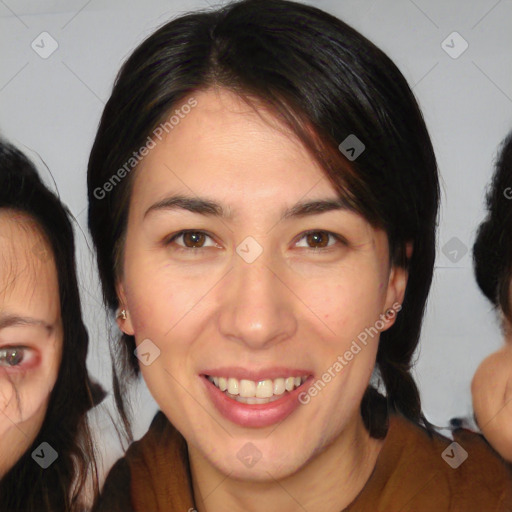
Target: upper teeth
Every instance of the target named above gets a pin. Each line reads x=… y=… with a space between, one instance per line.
x=261 y=389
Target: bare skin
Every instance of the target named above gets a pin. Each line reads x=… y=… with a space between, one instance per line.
x=28 y=371
x=491 y=389
x=296 y=305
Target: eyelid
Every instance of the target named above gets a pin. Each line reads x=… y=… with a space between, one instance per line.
x=29 y=357
x=339 y=238
x=170 y=239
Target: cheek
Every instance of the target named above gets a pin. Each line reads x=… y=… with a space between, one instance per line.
x=349 y=307
x=23 y=402
x=348 y=304
x=24 y=394
x=158 y=297
x=152 y=309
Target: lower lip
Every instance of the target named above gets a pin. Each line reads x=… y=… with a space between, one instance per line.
x=257 y=415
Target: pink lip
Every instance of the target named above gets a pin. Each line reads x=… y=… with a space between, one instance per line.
x=256 y=375
x=257 y=415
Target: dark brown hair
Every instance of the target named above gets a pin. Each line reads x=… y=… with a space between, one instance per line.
x=327 y=82
x=492 y=251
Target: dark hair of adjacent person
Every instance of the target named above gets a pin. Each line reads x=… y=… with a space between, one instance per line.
x=492 y=251
x=325 y=81
x=27 y=486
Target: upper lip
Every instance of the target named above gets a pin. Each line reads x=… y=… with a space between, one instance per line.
x=256 y=375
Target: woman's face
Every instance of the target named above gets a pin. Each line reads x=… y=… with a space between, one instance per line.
x=30 y=333
x=250 y=297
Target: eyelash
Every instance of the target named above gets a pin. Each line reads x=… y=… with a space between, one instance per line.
x=172 y=238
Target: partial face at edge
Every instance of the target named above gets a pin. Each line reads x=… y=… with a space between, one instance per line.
x=491 y=390
x=30 y=333
x=294 y=309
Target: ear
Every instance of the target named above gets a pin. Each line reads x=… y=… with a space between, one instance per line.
x=125 y=325
x=397 y=284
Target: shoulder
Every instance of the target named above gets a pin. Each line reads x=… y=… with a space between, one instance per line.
x=116 y=494
x=486 y=468
x=464 y=474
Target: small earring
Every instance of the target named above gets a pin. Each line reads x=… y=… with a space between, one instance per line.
x=122 y=314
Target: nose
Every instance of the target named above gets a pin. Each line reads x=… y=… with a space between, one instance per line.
x=257 y=307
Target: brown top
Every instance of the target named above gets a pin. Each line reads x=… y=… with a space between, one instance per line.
x=414 y=473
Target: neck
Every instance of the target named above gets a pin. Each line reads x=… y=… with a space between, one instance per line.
x=328 y=482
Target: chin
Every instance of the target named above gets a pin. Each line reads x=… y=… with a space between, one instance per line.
x=261 y=472
x=262 y=460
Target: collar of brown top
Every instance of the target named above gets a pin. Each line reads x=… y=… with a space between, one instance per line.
x=410 y=475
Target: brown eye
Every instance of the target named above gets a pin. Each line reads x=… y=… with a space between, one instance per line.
x=318 y=238
x=193 y=239
x=321 y=240
x=11 y=356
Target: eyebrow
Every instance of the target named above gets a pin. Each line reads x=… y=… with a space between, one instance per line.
x=23 y=321
x=208 y=207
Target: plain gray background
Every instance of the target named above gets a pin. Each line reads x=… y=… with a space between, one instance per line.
x=50 y=107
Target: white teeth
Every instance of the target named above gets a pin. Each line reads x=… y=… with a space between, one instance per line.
x=264 y=389
x=247 y=388
x=232 y=386
x=279 y=387
x=251 y=392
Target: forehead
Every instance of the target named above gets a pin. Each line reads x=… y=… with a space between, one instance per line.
x=224 y=144
x=28 y=277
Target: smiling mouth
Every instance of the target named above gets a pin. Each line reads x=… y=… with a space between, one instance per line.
x=260 y=392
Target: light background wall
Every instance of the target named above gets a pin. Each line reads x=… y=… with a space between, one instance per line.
x=50 y=108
